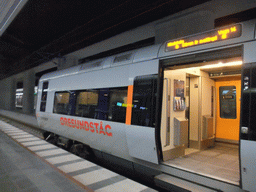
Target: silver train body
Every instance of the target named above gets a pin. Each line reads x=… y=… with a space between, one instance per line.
x=100 y=103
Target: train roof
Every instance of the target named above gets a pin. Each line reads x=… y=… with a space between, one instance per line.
x=129 y=57
x=159 y=50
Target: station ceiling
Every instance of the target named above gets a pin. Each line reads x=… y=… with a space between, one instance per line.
x=45 y=29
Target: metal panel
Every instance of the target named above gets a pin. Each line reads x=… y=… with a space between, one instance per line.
x=110 y=77
x=249 y=53
x=207 y=126
x=123 y=59
x=248 y=127
x=141 y=143
x=112 y=142
x=86 y=70
x=248 y=168
x=248 y=121
x=180 y=131
x=147 y=53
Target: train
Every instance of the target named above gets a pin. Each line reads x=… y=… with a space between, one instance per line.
x=182 y=109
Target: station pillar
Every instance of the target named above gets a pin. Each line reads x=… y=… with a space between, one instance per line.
x=12 y=94
x=7 y=96
x=28 y=92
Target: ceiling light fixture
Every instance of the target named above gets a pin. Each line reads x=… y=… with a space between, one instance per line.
x=8 y=10
x=220 y=64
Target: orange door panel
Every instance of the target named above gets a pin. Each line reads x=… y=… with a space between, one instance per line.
x=228 y=108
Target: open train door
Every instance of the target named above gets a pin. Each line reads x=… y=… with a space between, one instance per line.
x=141 y=133
x=248 y=128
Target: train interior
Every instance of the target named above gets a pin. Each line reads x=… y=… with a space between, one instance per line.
x=200 y=118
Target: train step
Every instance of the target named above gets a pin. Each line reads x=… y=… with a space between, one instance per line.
x=171 y=183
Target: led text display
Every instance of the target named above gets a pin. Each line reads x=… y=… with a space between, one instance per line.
x=208 y=37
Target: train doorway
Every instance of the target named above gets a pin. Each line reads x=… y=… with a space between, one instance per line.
x=201 y=117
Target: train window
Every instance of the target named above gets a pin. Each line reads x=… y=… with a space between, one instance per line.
x=102 y=110
x=19 y=98
x=112 y=104
x=86 y=103
x=117 y=104
x=61 y=103
x=44 y=96
x=144 y=100
x=104 y=104
x=227 y=102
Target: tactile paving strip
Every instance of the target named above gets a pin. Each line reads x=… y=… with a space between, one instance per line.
x=89 y=174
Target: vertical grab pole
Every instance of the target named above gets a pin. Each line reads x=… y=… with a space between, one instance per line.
x=167 y=141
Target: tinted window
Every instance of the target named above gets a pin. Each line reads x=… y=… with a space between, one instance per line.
x=61 y=103
x=228 y=102
x=117 y=105
x=87 y=103
x=112 y=104
x=44 y=96
x=144 y=101
x=104 y=104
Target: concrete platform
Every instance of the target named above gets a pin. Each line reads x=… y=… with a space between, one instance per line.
x=28 y=163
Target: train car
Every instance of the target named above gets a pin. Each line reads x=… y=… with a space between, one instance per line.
x=184 y=108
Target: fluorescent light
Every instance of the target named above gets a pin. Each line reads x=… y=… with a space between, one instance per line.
x=234 y=63
x=9 y=9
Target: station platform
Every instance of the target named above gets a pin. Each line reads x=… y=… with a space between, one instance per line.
x=28 y=163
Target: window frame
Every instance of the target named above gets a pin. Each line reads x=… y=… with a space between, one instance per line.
x=233 y=116
x=103 y=105
x=68 y=104
x=123 y=105
x=85 y=106
x=44 y=94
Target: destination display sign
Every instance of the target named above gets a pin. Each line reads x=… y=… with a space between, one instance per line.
x=205 y=38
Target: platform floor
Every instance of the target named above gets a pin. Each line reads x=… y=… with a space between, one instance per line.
x=220 y=162
x=28 y=163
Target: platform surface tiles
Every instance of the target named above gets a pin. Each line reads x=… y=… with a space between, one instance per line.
x=28 y=163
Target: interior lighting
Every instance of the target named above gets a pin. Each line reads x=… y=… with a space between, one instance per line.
x=234 y=63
